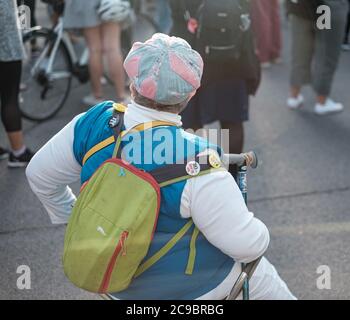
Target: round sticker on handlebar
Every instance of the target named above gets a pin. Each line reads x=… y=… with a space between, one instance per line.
x=193 y=168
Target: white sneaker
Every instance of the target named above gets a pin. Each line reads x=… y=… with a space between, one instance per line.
x=91 y=100
x=295 y=103
x=329 y=107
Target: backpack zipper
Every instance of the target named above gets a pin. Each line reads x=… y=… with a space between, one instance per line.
x=120 y=248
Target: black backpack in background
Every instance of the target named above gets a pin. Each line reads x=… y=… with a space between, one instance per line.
x=221 y=28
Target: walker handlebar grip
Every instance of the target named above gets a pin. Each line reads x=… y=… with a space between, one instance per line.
x=249 y=159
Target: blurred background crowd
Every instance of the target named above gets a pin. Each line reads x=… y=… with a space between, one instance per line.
x=108 y=28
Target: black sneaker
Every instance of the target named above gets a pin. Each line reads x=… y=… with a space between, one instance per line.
x=4 y=154
x=20 y=161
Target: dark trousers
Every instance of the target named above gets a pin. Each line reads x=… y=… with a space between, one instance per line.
x=10 y=77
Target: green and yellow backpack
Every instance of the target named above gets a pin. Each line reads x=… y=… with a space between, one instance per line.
x=109 y=233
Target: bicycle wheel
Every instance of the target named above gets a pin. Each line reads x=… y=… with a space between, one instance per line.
x=43 y=94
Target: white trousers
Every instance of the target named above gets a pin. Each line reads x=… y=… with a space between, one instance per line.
x=265 y=284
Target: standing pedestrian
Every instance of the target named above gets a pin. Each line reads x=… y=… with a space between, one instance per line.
x=98 y=20
x=227 y=83
x=11 y=55
x=315 y=52
x=267 y=30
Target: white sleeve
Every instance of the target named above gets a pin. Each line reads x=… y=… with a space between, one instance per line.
x=217 y=208
x=50 y=172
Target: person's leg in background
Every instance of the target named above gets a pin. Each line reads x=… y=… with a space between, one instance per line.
x=327 y=54
x=32 y=5
x=111 y=45
x=93 y=37
x=261 y=24
x=302 y=50
x=276 y=40
x=10 y=76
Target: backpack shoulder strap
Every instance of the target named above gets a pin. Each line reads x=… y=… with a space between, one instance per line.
x=173 y=173
x=117 y=123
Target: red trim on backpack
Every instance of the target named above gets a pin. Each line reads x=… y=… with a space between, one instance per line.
x=107 y=277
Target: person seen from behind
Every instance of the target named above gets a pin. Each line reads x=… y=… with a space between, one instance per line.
x=230 y=76
x=165 y=73
x=315 y=51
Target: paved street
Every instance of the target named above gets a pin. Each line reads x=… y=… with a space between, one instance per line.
x=301 y=191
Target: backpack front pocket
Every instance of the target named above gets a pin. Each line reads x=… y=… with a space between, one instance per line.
x=93 y=250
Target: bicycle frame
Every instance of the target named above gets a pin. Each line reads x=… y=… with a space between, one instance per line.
x=50 y=51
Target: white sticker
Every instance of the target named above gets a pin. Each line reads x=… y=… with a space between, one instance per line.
x=193 y=168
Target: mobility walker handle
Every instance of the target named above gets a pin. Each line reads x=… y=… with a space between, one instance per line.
x=243 y=161
x=248 y=159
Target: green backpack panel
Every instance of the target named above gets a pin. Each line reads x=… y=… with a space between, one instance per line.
x=111 y=228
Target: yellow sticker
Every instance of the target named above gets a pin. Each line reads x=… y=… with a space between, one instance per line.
x=214 y=161
x=119 y=107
